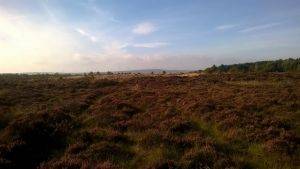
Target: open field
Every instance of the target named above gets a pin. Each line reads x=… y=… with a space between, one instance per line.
x=150 y=121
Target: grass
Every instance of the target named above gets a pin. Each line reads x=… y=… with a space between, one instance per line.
x=209 y=129
x=266 y=160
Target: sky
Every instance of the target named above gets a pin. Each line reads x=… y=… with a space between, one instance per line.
x=112 y=35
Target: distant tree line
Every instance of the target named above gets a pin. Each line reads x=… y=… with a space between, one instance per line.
x=287 y=65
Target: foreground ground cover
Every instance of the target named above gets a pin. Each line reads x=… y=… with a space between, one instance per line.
x=205 y=121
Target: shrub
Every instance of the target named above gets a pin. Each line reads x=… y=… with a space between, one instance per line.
x=34 y=137
x=199 y=158
x=104 y=151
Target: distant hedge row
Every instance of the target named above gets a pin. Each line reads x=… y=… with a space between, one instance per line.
x=287 y=65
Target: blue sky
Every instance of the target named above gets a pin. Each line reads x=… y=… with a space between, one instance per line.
x=102 y=35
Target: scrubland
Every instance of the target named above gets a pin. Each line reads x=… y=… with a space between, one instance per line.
x=216 y=121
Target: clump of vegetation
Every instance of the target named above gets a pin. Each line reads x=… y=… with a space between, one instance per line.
x=34 y=137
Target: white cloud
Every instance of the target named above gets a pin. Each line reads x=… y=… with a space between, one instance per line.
x=226 y=27
x=150 y=45
x=26 y=45
x=89 y=36
x=114 y=48
x=94 y=39
x=144 y=28
x=260 y=27
x=82 y=32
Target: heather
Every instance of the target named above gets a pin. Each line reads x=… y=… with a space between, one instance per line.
x=220 y=120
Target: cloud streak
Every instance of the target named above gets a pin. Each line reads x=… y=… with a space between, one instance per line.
x=225 y=27
x=144 y=28
x=151 y=45
x=259 y=27
x=85 y=34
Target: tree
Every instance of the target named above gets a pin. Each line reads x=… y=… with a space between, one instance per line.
x=287 y=65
